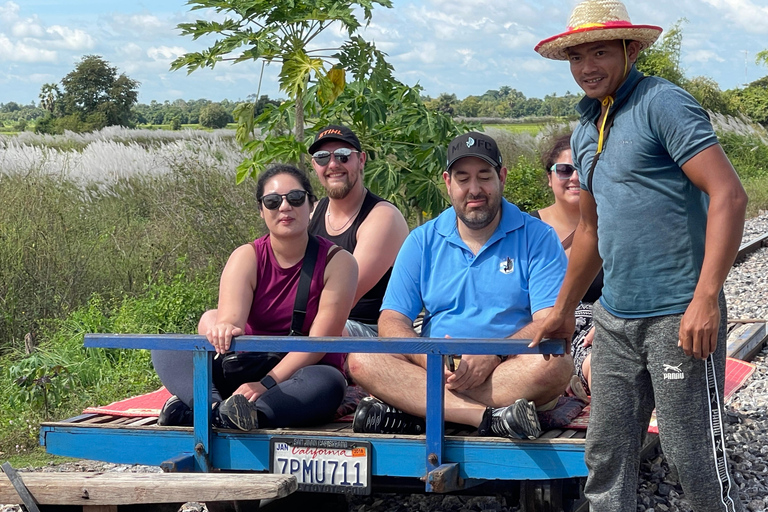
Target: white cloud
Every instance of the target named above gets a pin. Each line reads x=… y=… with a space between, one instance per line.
x=69 y=39
x=140 y=24
x=165 y=53
x=744 y=14
x=9 y=12
x=21 y=52
x=27 y=28
x=703 y=56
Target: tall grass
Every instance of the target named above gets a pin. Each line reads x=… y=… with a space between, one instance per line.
x=109 y=218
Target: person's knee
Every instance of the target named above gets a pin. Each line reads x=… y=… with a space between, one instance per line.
x=358 y=364
x=206 y=321
x=554 y=374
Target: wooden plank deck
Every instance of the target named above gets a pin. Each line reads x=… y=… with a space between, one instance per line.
x=336 y=429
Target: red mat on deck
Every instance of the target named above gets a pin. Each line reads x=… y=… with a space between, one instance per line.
x=142 y=405
x=736 y=374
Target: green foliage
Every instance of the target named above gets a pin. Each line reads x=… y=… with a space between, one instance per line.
x=752 y=101
x=405 y=141
x=278 y=31
x=663 y=58
x=505 y=103
x=708 y=94
x=61 y=377
x=38 y=386
x=748 y=154
x=94 y=96
x=526 y=185
x=762 y=57
x=214 y=115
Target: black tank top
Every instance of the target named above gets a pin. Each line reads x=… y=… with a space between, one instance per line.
x=596 y=288
x=367 y=308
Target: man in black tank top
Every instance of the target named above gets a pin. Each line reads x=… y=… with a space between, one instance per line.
x=369 y=227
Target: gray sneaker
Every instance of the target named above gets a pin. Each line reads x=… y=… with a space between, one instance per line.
x=518 y=420
x=239 y=412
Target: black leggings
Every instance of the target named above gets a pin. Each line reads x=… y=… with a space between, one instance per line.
x=310 y=397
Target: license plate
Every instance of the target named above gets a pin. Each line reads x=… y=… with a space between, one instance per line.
x=323 y=465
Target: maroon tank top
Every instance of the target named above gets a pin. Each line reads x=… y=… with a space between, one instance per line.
x=275 y=294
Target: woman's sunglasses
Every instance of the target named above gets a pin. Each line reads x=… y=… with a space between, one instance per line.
x=563 y=171
x=342 y=156
x=295 y=198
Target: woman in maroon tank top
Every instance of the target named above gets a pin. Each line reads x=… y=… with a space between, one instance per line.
x=256 y=296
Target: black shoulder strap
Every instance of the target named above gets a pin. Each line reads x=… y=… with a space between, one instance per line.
x=302 y=292
x=607 y=129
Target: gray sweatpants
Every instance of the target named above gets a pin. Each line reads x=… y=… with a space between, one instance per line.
x=636 y=365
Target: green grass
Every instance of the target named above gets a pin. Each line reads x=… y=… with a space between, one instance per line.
x=532 y=128
x=34 y=458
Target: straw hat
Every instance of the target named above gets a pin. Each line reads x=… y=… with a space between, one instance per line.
x=597 y=20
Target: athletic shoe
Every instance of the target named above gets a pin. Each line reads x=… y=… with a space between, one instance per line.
x=375 y=417
x=175 y=413
x=237 y=412
x=518 y=420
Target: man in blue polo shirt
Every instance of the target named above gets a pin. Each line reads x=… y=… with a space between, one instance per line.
x=481 y=269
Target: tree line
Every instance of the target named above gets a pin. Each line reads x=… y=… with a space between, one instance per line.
x=95 y=95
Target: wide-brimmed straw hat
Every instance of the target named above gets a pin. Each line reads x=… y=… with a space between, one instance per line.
x=597 y=20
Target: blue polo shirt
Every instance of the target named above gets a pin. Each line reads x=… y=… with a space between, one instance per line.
x=492 y=294
x=651 y=218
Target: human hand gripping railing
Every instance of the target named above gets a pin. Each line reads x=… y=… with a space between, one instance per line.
x=434 y=348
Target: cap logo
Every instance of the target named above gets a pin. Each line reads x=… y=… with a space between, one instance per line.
x=470 y=142
x=329 y=132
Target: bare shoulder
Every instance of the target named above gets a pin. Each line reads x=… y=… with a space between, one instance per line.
x=342 y=264
x=384 y=218
x=244 y=253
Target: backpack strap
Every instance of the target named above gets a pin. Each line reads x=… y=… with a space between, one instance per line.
x=302 y=291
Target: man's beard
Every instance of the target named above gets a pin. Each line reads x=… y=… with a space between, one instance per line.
x=479 y=217
x=342 y=190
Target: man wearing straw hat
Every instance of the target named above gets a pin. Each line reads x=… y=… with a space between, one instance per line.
x=671 y=213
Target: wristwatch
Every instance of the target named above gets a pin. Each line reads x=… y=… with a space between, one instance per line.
x=268 y=382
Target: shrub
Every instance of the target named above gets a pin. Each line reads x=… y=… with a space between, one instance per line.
x=214 y=115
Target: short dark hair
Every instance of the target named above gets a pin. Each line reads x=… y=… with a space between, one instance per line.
x=558 y=145
x=277 y=169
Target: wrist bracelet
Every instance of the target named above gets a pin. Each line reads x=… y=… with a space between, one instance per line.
x=268 y=382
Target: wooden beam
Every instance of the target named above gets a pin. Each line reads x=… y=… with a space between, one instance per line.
x=104 y=489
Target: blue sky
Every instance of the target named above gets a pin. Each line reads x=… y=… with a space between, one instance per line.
x=444 y=45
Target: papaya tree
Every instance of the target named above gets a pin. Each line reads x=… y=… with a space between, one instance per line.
x=278 y=31
x=352 y=85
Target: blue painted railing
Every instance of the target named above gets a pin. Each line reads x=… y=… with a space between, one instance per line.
x=434 y=348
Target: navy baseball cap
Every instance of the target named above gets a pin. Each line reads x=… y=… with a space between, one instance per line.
x=475 y=144
x=335 y=132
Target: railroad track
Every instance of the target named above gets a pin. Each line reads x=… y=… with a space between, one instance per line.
x=747 y=336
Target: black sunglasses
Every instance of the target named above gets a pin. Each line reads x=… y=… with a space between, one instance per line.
x=273 y=201
x=563 y=171
x=342 y=156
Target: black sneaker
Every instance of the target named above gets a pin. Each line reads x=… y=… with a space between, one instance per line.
x=375 y=417
x=237 y=412
x=175 y=413
x=518 y=420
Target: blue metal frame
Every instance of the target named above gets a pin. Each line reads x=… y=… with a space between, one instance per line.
x=429 y=457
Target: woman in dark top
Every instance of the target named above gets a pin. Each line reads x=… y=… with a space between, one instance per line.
x=563 y=215
x=257 y=295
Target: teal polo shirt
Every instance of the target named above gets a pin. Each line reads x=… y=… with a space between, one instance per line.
x=652 y=219
x=492 y=294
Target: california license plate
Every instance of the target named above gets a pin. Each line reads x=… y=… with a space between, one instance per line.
x=323 y=465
